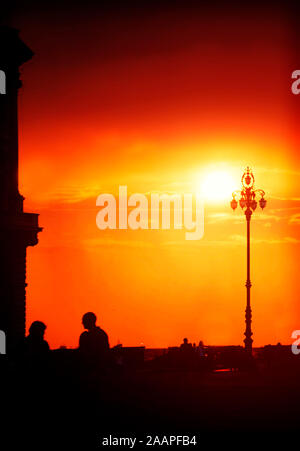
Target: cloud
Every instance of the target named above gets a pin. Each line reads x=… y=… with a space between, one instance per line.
x=219 y=217
x=278 y=171
x=240 y=239
x=213 y=218
x=295 y=219
x=109 y=242
x=231 y=241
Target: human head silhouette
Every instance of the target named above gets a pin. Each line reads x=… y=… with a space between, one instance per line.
x=185 y=341
x=37 y=330
x=89 y=320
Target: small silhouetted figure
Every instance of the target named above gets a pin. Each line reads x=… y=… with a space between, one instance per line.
x=186 y=346
x=201 y=350
x=93 y=343
x=33 y=354
x=35 y=347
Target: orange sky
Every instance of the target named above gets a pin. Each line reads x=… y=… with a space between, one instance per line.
x=155 y=101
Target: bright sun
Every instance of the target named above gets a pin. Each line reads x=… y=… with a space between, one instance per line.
x=217 y=186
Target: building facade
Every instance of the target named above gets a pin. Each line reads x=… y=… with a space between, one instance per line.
x=18 y=229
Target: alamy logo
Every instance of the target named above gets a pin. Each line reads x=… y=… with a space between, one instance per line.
x=295 y=349
x=295 y=85
x=136 y=213
x=2 y=342
x=2 y=82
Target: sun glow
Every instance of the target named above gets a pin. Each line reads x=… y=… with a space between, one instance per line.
x=217 y=186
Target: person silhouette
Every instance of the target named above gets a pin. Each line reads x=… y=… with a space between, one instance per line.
x=186 y=346
x=201 y=349
x=93 y=343
x=35 y=346
x=34 y=352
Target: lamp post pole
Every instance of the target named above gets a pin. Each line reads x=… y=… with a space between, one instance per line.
x=248 y=332
x=247 y=201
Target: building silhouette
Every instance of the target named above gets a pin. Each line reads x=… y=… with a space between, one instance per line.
x=17 y=229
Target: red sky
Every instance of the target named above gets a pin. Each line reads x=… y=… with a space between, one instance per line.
x=156 y=99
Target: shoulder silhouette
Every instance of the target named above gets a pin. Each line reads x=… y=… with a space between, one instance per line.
x=93 y=342
x=35 y=346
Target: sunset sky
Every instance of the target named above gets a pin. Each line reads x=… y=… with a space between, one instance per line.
x=160 y=99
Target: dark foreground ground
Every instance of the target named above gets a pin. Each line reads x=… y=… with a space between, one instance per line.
x=71 y=410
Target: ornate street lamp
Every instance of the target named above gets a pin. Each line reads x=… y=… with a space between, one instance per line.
x=248 y=203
